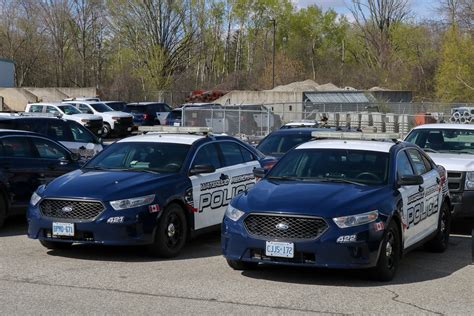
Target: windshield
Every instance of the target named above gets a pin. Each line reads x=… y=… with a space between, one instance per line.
x=101 y=107
x=443 y=140
x=333 y=165
x=141 y=156
x=69 y=109
x=279 y=144
x=139 y=109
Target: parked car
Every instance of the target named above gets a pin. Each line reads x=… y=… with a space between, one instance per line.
x=256 y=119
x=94 y=99
x=115 y=122
x=70 y=134
x=148 y=113
x=340 y=203
x=28 y=160
x=196 y=115
x=116 y=105
x=155 y=189
x=93 y=122
x=452 y=146
x=301 y=124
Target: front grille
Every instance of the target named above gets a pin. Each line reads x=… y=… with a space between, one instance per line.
x=71 y=210
x=265 y=226
x=456 y=181
x=125 y=121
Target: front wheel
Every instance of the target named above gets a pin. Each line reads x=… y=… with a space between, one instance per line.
x=55 y=245
x=389 y=258
x=440 y=242
x=171 y=233
x=106 y=130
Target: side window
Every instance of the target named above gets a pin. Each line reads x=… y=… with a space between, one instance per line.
x=48 y=150
x=208 y=155
x=84 y=109
x=52 y=110
x=79 y=133
x=427 y=162
x=59 y=131
x=36 y=108
x=417 y=161
x=18 y=147
x=404 y=167
x=36 y=125
x=167 y=108
x=247 y=155
x=232 y=154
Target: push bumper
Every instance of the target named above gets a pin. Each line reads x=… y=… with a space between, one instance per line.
x=325 y=251
x=128 y=227
x=463 y=203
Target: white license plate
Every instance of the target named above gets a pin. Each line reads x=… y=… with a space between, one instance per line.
x=129 y=129
x=279 y=249
x=176 y=124
x=63 y=229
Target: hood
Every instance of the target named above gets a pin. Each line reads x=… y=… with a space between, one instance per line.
x=105 y=185
x=90 y=117
x=454 y=162
x=324 y=199
x=117 y=113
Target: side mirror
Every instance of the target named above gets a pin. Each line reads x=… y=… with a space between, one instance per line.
x=198 y=169
x=75 y=156
x=259 y=172
x=410 y=180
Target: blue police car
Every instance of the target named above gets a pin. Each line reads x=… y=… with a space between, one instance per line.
x=340 y=204
x=155 y=189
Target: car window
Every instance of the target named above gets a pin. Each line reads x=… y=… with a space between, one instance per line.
x=279 y=144
x=84 y=108
x=59 y=131
x=52 y=110
x=69 y=109
x=231 y=153
x=80 y=134
x=36 y=108
x=207 y=155
x=427 y=162
x=33 y=125
x=18 y=147
x=48 y=150
x=247 y=155
x=417 y=161
x=404 y=167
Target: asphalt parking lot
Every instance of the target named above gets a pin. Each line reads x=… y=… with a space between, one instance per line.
x=118 y=280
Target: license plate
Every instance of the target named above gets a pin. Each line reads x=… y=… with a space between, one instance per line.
x=63 y=229
x=176 y=124
x=129 y=129
x=279 y=249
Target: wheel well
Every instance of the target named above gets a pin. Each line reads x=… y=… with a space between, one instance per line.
x=186 y=213
x=447 y=200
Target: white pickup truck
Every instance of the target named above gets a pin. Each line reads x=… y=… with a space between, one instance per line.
x=451 y=146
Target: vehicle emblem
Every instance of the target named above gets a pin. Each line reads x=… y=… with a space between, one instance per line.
x=282 y=226
x=67 y=209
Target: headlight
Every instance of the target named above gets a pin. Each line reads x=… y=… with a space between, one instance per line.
x=469 y=185
x=356 y=220
x=35 y=198
x=233 y=213
x=133 y=202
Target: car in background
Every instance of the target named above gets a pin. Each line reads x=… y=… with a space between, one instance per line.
x=155 y=189
x=70 y=134
x=196 y=115
x=301 y=124
x=63 y=110
x=255 y=119
x=115 y=122
x=28 y=160
x=340 y=203
x=148 y=113
x=452 y=146
x=95 y=99
x=116 y=105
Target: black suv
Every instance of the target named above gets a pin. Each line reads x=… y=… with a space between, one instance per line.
x=28 y=160
x=148 y=113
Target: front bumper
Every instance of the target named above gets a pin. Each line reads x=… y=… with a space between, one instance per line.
x=95 y=127
x=123 y=126
x=325 y=251
x=463 y=203
x=136 y=227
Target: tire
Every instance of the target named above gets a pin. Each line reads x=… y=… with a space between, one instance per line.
x=389 y=257
x=241 y=265
x=3 y=211
x=440 y=242
x=171 y=233
x=106 y=130
x=55 y=245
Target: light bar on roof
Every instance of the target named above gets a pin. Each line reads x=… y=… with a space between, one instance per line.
x=174 y=129
x=355 y=135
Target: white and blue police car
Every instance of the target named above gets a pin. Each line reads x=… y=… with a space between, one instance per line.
x=155 y=189
x=340 y=203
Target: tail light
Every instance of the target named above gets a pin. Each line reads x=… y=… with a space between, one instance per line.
x=146 y=116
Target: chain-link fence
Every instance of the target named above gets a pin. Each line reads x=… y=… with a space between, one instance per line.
x=259 y=120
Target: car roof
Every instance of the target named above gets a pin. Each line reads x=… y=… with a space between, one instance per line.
x=187 y=139
x=366 y=145
x=445 y=126
x=4 y=132
x=50 y=103
x=145 y=103
x=7 y=117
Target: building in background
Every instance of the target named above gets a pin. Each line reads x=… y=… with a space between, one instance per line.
x=7 y=73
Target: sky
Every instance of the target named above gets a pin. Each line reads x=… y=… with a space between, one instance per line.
x=421 y=9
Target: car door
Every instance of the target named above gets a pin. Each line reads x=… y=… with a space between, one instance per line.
x=162 y=111
x=18 y=163
x=208 y=190
x=426 y=218
x=54 y=160
x=84 y=108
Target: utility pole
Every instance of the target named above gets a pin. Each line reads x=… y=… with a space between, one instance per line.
x=273 y=58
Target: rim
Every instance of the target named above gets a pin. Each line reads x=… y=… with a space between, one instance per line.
x=444 y=226
x=173 y=231
x=390 y=250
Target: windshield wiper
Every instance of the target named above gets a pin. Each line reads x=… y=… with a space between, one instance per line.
x=143 y=170
x=429 y=150
x=340 y=181
x=283 y=178
x=463 y=152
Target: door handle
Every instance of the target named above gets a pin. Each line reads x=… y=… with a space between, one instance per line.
x=224 y=177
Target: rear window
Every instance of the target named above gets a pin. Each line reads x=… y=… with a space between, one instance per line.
x=135 y=109
x=279 y=144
